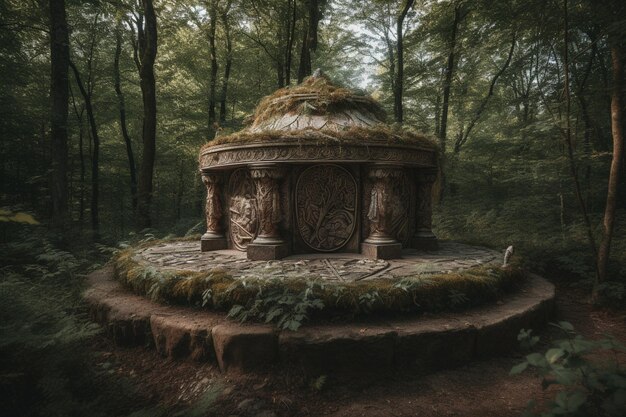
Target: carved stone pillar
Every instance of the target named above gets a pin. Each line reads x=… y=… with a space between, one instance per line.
x=424 y=238
x=380 y=244
x=214 y=238
x=268 y=244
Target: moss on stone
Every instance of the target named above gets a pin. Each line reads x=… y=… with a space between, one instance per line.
x=356 y=135
x=420 y=293
x=315 y=95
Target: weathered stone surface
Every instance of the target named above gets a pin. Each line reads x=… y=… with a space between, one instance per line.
x=244 y=347
x=127 y=325
x=181 y=337
x=429 y=243
x=434 y=344
x=497 y=330
x=381 y=251
x=339 y=348
x=346 y=267
x=425 y=342
x=267 y=252
x=207 y=245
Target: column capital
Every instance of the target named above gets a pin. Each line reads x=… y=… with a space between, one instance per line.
x=273 y=171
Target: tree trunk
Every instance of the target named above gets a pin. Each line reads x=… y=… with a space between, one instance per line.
x=443 y=125
x=81 y=158
x=59 y=94
x=309 y=42
x=568 y=137
x=290 y=37
x=95 y=156
x=399 y=84
x=122 y=107
x=148 y=92
x=214 y=67
x=617 y=120
x=228 y=64
x=464 y=134
x=304 y=69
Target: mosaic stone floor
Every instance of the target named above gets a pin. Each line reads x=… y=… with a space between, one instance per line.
x=341 y=267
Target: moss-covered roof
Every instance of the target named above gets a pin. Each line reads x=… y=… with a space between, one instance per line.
x=320 y=112
x=379 y=134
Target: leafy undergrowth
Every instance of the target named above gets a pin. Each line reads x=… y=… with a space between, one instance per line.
x=289 y=302
x=46 y=365
x=590 y=378
x=556 y=251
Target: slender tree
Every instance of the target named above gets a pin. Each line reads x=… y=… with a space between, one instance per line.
x=122 y=110
x=59 y=95
x=213 y=5
x=225 y=19
x=449 y=71
x=95 y=154
x=617 y=125
x=147 y=39
x=398 y=88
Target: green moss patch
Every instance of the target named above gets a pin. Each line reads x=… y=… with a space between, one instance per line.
x=290 y=301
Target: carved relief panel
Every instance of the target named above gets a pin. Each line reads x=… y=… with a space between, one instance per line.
x=243 y=224
x=400 y=207
x=326 y=207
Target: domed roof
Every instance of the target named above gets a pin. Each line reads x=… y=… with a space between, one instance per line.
x=316 y=104
x=319 y=112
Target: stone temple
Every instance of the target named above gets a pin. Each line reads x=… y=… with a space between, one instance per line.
x=317 y=170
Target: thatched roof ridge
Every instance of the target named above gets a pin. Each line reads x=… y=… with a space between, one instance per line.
x=315 y=96
x=381 y=134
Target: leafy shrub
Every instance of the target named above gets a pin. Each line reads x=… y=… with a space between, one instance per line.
x=590 y=381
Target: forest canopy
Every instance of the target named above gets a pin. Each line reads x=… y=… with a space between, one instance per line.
x=105 y=105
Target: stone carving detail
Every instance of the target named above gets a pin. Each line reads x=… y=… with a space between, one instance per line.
x=223 y=156
x=243 y=217
x=400 y=207
x=425 y=181
x=326 y=199
x=385 y=204
x=213 y=208
x=268 y=202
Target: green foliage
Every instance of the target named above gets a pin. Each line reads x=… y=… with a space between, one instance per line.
x=290 y=301
x=591 y=379
x=317 y=384
x=48 y=366
x=288 y=309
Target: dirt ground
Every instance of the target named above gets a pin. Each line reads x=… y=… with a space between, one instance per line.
x=482 y=388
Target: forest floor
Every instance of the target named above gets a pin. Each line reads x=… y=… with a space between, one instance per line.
x=481 y=388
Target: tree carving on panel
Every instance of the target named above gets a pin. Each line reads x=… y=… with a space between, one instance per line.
x=326 y=199
x=242 y=209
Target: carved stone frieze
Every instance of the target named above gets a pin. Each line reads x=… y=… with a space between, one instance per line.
x=227 y=155
x=326 y=204
x=242 y=209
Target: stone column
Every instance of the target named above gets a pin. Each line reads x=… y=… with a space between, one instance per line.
x=214 y=238
x=424 y=238
x=268 y=244
x=380 y=244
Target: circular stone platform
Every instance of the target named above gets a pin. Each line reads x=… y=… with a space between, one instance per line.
x=333 y=267
x=419 y=343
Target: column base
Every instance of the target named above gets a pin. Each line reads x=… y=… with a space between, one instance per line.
x=426 y=242
x=267 y=252
x=208 y=244
x=381 y=251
